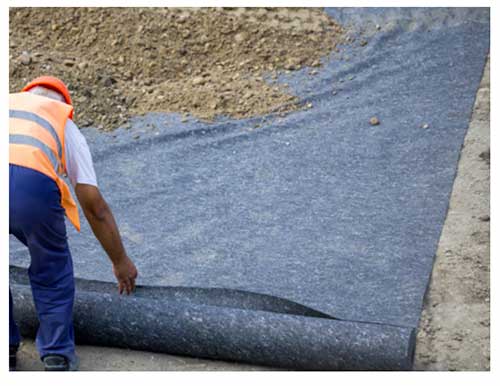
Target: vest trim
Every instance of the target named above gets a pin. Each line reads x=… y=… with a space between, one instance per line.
x=18 y=139
x=29 y=116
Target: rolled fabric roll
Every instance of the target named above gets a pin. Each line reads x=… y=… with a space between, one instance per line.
x=175 y=321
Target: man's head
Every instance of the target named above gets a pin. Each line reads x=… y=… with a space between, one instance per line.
x=47 y=92
x=51 y=87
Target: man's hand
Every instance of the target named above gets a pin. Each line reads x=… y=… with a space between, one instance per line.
x=126 y=274
x=103 y=225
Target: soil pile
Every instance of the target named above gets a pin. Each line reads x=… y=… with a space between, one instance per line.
x=206 y=62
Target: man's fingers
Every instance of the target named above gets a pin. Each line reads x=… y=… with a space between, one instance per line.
x=123 y=286
x=128 y=286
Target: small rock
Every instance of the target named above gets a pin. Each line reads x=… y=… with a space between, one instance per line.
x=485 y=218
x=363 y=43
x=137 y=136
x=239 y=37
x=69 y=62
x=87 y=93
x=316 y=63
x=378 y=27
x=290 y=66
x=313 y=72
x=25 y=58
x=334 y=92
x=198 y=81
x=82 y=65
x=374 y=121
x=108 y=81
x=182 y=18
x=485 y=156
x=350 y=77
x=309 y=105
x=425 y=126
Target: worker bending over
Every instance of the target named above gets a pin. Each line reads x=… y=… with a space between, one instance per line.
x=44 y=145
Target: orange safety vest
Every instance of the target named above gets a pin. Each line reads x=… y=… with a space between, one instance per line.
x=36 y=141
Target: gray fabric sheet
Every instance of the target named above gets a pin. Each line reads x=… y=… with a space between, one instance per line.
x=306 y=242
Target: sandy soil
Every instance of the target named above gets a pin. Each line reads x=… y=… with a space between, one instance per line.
x=111 y=359
x=120 y=62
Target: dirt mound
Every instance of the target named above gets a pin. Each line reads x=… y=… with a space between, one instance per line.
x=120 y=62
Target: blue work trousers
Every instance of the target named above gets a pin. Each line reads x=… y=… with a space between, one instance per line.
x=37 y=221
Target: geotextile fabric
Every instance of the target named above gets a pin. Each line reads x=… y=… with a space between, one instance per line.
x=305 y=241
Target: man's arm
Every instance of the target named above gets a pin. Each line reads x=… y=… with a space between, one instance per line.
x=103 y=224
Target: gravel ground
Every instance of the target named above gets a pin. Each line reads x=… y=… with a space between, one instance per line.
x=121 y=62
x=455 y=326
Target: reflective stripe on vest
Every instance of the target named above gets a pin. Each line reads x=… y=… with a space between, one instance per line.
x=18 y=139
x=36 y=141
x=29 y=116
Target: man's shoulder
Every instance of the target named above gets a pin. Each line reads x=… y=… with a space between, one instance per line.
x=71 y=125
x=73 y=134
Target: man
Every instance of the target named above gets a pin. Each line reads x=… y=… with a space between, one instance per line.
x=45 y=144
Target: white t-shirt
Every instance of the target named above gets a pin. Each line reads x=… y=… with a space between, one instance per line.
x=79 y=164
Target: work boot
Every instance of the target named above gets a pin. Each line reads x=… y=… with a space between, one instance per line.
x=13 y=357
x=55 y=362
